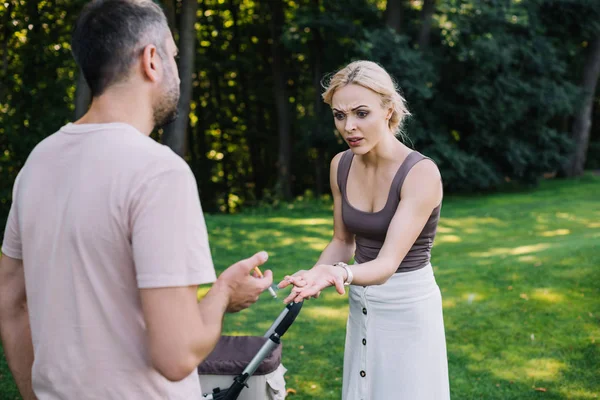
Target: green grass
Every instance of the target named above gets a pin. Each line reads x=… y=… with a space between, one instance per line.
x=520 y=279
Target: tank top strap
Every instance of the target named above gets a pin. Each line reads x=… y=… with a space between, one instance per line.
x=413 y=158
x=344 y=169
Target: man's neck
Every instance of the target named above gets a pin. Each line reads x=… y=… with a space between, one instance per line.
x=120 y=106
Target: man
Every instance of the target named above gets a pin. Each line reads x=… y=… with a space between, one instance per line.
x=106 y=243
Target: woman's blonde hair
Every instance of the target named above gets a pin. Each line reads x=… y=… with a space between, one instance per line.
x=372 y=76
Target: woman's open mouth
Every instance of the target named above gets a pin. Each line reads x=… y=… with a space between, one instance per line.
x=354 y=141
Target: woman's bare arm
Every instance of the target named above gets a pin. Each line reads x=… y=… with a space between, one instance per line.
x=421 y=193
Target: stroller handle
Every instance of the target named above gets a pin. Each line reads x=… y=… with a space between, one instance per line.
x=293 y=311
x=285 y=319
x=274 y=334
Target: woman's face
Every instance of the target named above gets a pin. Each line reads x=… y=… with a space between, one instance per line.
x=359 y=117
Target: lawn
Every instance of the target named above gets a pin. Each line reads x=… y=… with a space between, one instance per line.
x=520 y=280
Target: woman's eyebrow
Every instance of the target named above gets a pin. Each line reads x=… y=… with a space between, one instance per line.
x=355 y=108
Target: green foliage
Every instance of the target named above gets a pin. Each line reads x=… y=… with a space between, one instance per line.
x=37 y=81
x=491 y=97
x=503 y=92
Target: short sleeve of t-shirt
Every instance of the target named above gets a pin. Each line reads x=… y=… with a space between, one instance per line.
x=168 y=231
x=11 y=245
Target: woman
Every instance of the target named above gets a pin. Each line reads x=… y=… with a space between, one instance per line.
x=387 y=201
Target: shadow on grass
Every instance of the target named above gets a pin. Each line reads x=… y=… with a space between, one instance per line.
x=475 y=383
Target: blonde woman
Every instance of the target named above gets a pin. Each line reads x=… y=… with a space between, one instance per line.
x=387 y=201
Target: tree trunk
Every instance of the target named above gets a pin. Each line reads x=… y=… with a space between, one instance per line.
x=201 y=164
x=261 y=153
x=249 y=116
x=583 y=119
x=83 y=96
x=192 y=150
x=171 y=16
x=174 y=135
x=215 y=86
x=317 y=51
x=35 y=61
x=426 y=20
x=281 y=100
x=393 y=14
x=6 y=34
x=5 y=38
x=199 y=141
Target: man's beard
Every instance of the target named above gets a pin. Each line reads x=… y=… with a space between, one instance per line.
x=166 y=110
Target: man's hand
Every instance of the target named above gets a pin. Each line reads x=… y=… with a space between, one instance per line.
x=309 y=283
x=243 y=289
x=183 y=332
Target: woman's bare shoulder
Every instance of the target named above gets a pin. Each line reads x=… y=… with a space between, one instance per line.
x=424 y=182
x=335 y=161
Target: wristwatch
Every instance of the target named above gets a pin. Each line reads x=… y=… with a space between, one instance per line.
x=350 y=276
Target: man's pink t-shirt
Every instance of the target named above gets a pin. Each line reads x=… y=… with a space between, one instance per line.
x=100 y=211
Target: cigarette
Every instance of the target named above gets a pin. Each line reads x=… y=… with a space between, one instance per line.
x=259 y=273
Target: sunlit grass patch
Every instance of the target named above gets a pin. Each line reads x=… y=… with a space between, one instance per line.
x=547 y=295
x=499 y=251
x=556 y=232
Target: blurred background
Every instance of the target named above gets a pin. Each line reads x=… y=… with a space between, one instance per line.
x=504 y=98
x=501 y=91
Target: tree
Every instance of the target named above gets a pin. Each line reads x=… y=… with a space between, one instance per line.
x=174 y=134
x=426 y=20
x=582 y=123
x=575 y=27
x=394 y=14
x=6 y=36
x=281 y=100
x=493 y=98
x=317 y=131
x=170 y=12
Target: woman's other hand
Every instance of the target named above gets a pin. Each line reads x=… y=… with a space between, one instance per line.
x=308 y=284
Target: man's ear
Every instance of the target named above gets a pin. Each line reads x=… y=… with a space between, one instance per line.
x=151 y=63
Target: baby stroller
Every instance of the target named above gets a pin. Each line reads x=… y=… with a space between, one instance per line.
x=224 y=363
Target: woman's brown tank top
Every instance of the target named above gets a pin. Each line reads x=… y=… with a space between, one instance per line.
x=370 y=228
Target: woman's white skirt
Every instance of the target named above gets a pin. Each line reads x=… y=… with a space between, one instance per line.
x=395 y=342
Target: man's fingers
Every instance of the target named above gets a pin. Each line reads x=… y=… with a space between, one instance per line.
x=266 y=280
x=268 y=274
x=257 y=259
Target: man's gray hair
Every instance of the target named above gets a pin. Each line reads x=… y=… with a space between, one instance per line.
x=109 y=36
